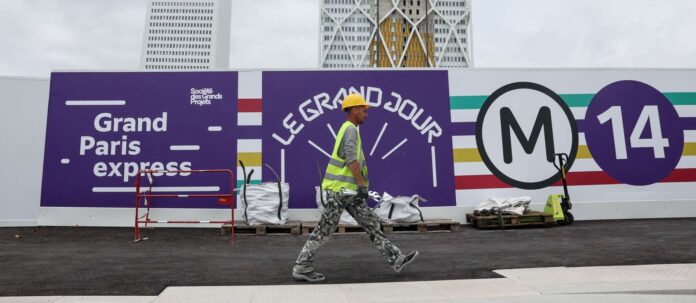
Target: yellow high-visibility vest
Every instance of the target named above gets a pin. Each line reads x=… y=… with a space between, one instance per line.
x=338 y=174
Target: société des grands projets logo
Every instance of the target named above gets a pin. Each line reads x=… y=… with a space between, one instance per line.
x=204 y=96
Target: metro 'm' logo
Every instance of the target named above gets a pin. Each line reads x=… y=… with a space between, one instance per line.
x=543 y=120
x=514 y=118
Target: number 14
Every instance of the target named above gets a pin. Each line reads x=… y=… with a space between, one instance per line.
x=648 y=114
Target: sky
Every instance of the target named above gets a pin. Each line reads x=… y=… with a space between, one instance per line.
x=37 y=36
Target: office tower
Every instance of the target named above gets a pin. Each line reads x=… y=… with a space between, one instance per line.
x=186 y=35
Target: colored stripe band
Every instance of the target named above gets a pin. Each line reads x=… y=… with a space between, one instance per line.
x=681 y=98
x=472 y=154
x=572 y=100
x=689 y=149
x=464 y=129
x=688 y=123
x=574 y=179
x=583 y=152
x=249 y=105
x=249 y=159
x=467 y=155
x=467 y=102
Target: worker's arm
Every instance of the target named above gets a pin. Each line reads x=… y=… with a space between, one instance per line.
x=357 y=174
x=350 y=148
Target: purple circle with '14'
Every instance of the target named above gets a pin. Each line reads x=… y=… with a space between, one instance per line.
x=643 y=159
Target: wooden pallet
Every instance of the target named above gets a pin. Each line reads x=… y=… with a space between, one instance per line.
x=289 y=228
x=433 y=225
x=533 y=218
x=308 y=227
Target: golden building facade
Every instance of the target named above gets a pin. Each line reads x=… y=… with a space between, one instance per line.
x=411 y=33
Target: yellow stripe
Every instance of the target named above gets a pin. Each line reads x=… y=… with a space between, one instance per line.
x=583 y=152
x=689 y=149
x=467 y=155
x=472 y=154
x=249 y=159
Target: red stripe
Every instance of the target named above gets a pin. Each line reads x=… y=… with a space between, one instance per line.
x=249 y=105
x=574 y=179
x=588 y=178
x=681 y=175
x=478 y=182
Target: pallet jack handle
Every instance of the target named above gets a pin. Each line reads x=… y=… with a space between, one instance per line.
x=562 y=161
x=566 y=205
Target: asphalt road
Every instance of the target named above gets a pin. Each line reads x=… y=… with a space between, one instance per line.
x=57 y=261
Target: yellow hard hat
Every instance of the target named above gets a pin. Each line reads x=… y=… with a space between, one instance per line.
x=353 y=100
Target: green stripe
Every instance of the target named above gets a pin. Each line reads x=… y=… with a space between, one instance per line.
x=239 y=182
x=467 y=102
x=681 y=98
x=577 y=100
x=572 y=100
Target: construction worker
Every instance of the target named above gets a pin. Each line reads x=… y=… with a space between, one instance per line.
x=346 y=185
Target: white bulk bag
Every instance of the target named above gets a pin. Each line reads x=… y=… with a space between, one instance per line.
x=265 y=203
x=400 y=209
x=321 y=199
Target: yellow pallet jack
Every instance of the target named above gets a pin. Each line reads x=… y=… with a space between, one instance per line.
x=559 y=205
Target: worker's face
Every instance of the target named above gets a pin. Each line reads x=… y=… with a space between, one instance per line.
x=360 y=113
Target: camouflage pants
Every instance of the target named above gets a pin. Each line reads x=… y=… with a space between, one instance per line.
x=330 y=217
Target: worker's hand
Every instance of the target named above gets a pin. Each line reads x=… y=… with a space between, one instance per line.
x=375 y=196
x=362 y=192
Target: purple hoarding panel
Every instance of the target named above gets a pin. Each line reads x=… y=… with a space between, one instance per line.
x=406 y=137
x=103 y=127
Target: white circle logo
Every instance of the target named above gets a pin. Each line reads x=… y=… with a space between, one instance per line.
x=520 y=128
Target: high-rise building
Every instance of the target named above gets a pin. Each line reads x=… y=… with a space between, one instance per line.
x=411 y=33
x=186 y=35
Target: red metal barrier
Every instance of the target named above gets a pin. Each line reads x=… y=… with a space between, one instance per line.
x=226 y=198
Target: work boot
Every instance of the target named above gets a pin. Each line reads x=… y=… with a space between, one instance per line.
x=404 y=260
x=311 y=276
